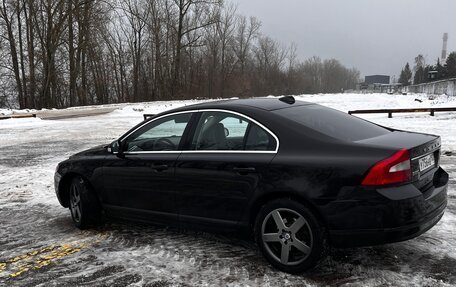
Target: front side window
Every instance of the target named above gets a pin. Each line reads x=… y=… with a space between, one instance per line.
x=230 y=132
x=164 y=134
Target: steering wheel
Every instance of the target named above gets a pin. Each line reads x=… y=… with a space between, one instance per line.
x=164 y=144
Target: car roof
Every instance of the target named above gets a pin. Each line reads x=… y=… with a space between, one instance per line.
x=268 y=104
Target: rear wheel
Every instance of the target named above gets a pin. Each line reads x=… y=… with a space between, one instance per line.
x=84 y=206
x=289 y=235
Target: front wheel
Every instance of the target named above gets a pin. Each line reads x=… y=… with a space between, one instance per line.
x=84 y=206
x=289 y=235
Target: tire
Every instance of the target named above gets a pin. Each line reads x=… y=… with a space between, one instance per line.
x=84 y=206
x=289 y=236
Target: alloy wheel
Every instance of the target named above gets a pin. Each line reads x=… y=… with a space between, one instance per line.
x=75 y=202
x=287 y=236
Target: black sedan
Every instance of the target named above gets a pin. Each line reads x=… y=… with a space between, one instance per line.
x=296 y=175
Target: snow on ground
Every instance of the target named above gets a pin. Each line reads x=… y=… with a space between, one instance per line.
x=40 y=246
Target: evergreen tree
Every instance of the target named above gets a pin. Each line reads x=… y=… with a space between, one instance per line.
x=450 y=65
x=427 y=69
x=406 y=75
x=420 y=76
x=441 y=71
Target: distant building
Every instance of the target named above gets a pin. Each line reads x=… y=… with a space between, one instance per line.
x=433 y=75
x=378 y=84
x=377 y=79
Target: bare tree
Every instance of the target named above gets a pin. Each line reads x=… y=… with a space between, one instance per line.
x=137 y=13
x=7 y=12
x=56 y=53
x=193 y=15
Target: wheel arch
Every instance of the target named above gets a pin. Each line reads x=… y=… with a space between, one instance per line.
x=261 y=201
x=64 y=187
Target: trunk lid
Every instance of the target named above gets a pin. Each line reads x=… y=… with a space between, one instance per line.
x=424 y=153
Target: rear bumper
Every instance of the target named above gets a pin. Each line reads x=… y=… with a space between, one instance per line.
x=369 y=237
x=393 y=215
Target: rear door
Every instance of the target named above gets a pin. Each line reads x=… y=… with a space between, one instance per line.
x=140 y=183
x=228 y=157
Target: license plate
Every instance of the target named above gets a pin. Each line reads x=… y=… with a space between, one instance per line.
x=427 y=162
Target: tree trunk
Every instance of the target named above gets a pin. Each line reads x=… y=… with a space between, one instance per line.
x=21 y=53
x=13 y=51
x=31 y=53
x=177 y=59
x=71 y=55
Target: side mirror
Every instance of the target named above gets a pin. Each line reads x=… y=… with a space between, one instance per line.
x=116 y=148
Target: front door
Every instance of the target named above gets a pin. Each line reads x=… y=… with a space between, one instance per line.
x=140 y=182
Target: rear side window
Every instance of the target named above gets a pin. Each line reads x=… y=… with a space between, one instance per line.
x=259 y=139
x=333 y=123
x=230 y=132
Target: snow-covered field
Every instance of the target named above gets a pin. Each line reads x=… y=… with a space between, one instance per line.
x=39 y=245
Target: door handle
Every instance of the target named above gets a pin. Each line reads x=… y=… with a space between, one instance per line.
x=159 y=167
x=244 y=170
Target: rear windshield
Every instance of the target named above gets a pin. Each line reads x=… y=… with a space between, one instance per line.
x=332 y=123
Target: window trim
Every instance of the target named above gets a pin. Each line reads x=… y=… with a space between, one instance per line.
x=124 y=137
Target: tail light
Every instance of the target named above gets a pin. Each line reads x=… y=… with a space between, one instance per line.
x=395 y=169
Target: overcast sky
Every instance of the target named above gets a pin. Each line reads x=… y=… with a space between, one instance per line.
x=375 y=36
